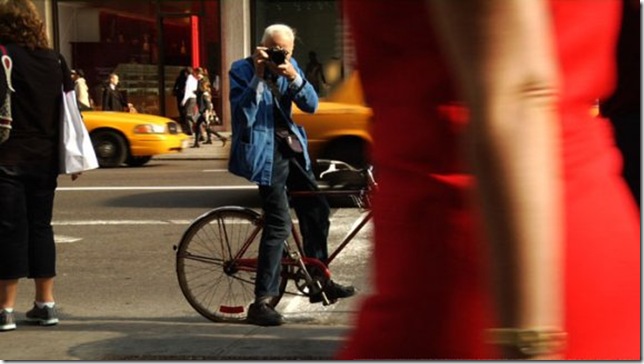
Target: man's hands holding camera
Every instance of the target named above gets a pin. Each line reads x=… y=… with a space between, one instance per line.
x=269 y=59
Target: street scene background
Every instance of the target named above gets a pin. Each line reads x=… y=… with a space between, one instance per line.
x=117 y=290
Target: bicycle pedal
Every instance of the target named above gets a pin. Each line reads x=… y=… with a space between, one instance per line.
x=317 y=298
x=331 y=302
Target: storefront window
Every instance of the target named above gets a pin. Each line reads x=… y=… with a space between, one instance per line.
x=145 y=42
x=181 y=6
x=319 y=29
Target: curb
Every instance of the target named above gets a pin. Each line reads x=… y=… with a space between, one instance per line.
x=215 y=151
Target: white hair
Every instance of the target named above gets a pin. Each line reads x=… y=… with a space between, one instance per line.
x=277 y=29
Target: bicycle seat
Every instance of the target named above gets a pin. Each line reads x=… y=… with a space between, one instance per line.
x=341 y=175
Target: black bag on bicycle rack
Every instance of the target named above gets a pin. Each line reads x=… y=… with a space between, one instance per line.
x=341 y=175
x=345 y=179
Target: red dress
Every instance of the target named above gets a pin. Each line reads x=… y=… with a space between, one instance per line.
x=431 y=299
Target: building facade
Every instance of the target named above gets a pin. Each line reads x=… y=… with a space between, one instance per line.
x=148 y=42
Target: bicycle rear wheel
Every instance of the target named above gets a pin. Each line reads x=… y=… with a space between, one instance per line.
x=216 y=263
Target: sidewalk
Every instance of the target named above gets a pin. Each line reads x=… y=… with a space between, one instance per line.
x=112 y=338
x=216 y=150
x=141 y=315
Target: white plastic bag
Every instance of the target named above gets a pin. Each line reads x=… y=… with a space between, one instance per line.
x=5 y=107
x=76 y=150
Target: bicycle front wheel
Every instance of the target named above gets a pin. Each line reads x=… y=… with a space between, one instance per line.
x=217 y=260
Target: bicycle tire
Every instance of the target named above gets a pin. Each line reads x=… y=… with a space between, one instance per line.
x=205 y=263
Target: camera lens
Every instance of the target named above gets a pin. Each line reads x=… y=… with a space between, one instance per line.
x=277 y=56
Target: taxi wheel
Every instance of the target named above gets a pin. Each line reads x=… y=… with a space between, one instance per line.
x=138 y=161
x=110 y=148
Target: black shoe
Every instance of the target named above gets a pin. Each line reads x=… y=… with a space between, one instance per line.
x=195 y=146
x=262 y=314
x=208 y=142
x=333 y=292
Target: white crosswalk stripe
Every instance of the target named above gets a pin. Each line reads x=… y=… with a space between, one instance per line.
x=119 y=222
x=156 y=188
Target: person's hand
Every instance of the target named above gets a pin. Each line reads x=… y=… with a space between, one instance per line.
x=285 y=69
x=260 y=57
x=4 y=133
x=75 y=176
x=262 y=61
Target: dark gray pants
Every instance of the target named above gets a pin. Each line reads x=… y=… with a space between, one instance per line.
x=312 y=213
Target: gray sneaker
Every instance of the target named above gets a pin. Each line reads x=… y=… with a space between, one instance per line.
x=45 y=316
x=7 y=321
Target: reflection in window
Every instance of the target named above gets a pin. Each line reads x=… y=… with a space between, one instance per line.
x=319 y=29
x=122 y=36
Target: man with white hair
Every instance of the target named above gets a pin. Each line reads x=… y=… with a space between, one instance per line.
x=268 y=148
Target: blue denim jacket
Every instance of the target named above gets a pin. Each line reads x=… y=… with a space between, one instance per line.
x=253 y=127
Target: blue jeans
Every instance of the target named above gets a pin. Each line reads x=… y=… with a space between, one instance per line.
x=312 y=213
x=27 y=246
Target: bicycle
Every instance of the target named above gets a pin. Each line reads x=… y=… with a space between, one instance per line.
x=216 y=258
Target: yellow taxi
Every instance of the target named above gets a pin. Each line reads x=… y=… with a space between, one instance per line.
x=132 y=138
x=340 y=128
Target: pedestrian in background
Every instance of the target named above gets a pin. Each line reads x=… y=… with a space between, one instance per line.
x=268 y=148
x=189 y=101
x=204 y=108
x=178 y=91
x=113 y=98
x=314 y=72
x=207 y=117
x=205 y=103
x=214 y=122
x=29 y=162
x=81 y=89
x=543 y=262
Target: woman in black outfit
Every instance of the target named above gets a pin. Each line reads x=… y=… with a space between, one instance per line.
x=29 y=162
x=206 y=115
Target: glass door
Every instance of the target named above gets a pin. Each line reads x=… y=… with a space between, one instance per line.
x=177 y=51
x=191 y=38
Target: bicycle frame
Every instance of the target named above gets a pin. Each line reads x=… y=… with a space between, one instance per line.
x=360 y=222
x=227 y=237
x=250 y=264
x=355 y=229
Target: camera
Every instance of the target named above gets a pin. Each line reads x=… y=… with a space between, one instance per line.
x=277 y=55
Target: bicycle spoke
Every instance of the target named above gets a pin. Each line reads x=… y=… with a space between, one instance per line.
x=216 y=262
x=216 y=259
x=223 y=239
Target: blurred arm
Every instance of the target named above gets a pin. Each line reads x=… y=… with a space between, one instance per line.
x=503 y=56
x=302 y=92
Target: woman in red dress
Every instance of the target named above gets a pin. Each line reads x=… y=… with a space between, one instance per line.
x=550 y=244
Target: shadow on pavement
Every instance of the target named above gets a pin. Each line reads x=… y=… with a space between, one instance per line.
x=181 y=340
x=170 y=338
x=204 y=199
x=188 y=199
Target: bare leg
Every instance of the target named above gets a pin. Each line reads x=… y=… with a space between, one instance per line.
x=44 y=289
x=8 y=292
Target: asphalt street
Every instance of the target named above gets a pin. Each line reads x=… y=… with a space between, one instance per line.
x=117 y=290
